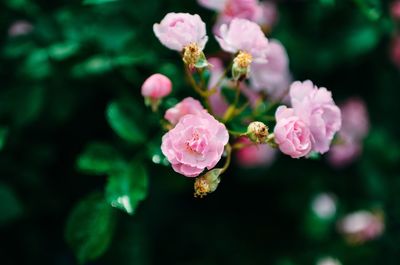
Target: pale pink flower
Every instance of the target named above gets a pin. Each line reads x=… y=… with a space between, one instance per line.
x=19 y=28
x=156 y=86
x=188 y=105
x=361 y=226
x=267 y=14
x=255 y=155
x=195 y=143
x=355 y=126
x=291 y=133
x=246 y=36
x=216 y=5
x=316 y=108
x=177 y=30
x=217 y=100
x=272 y=76
x=395 y=10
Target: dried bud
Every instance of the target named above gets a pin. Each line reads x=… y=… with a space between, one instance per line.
x=257 y=132
x=193 y=56
x=241 y=65
x=207 y=183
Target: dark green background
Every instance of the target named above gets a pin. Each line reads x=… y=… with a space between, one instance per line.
x=56 y=84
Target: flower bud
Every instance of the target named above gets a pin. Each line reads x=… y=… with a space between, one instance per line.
x=155 y=88
x=257 y=132
x=207 y=183
x=194 y=57
x=241 y=65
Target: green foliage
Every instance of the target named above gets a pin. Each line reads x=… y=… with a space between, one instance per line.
x=97 y=2
x=127 y=187
x=90 y=228
x=121 y=119
x=99 y=159
x=10 y=206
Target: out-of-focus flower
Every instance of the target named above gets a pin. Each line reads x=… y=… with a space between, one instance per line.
x=178 y=30
x=156 y=86
x=317 y=109
x=254 y=155
x=395 y=10
x=272 y=76
x=362 y=226
x=324 y=205
x=188 y=105
x=395 y=51
x=244 y=36
x=195 y=143
x=19 y=28
x=262 y=13
x=355 y=126
x=217 y=101
x=291 y=133
x=328 y=261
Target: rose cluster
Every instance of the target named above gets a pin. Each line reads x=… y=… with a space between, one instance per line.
x=199 y=134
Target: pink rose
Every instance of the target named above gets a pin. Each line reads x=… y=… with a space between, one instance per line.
x=267 y=14
x=197 y=142
x=186 y=106
x=291 y=133
x=344 y=152
x=316 y=108
x=217 y=101
x=177 y=30
x=156 y=86
x=216 y=5
x=246 y=36
x=273 y=76
x=255 y=155
x=395 y=10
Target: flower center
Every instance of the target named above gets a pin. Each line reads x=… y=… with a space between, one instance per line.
x=196 y=144
x=191 y=54
x=243 y=59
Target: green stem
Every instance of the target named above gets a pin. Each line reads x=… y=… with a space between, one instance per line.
x=228 y=149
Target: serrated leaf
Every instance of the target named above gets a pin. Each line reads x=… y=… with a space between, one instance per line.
x=98 y=159
x=121 y=120
x=127 y=188
x=90 y=227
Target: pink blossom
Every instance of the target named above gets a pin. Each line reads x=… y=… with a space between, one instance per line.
x=291 y=133
x=255 y=155
x=246 y=36
x=395 y=50
x=216 y=5
x=195 y=143
x=273 y=76
x=267 y=14
x=188 y=105
x=395 y=10
x=178 y=30
x=19 y=28
x=361 y=226
x=217 y=101
x=355 y=126
x=156 y=86
x=316 y=108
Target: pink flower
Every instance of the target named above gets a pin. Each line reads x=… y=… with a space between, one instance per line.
x=395 y=50
x=255 y=155
x=268 y=14
x=316 y=108
x=245 y=36
x=362 y=226
x=291 y=133
x=186 y=106
x=197 y=142
x=395 y=10
x=273 y=76
x=156 y=86
x=19 y=28
x=178 y=30
x=216 y=5
x=217 y=101
x=355 y=126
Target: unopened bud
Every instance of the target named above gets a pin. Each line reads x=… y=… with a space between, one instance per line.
x=257 y=132
x=194 y=57
x=241 y=65
x=207 y=183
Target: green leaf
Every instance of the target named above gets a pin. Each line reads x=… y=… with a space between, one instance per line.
x=10 y=206
x=127 y=187
x=371 y=8
x=121 y=120
x=97 y=2
x=61 y=51
x=90 y=227
x=98 y=159
x=3 y=136
x=94 y=65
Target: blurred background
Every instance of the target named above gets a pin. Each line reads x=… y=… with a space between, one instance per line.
x=71 y=109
